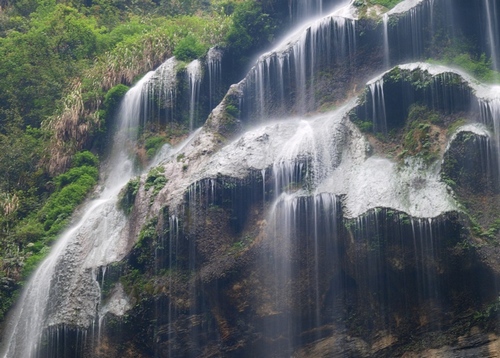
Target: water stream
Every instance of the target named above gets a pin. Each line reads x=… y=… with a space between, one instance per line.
x=317 y=172
x=64 y=289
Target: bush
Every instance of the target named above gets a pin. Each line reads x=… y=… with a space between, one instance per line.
x=71 y=189
x=128 y=194
x=252 y=30
x=189 y=48
x=156 y=180
x=152 y=145
x=112 y=99
x=478 y=67
x=85 y=158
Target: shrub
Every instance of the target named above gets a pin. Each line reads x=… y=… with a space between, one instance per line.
x=128 y=194
x=112 y=99
x=156 y=180
x=71 y=189
x=152 y=144
x=252 y=29
x=189 y=48
x=85 y=158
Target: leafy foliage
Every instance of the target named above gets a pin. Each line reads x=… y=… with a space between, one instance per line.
x=252 y=30
x=156 y=180
x=113 y=97
x=461 y=52
x=30 y=225
x=364 y=6
x=153 y=144
x=420 y=138
x=71 y=189
x=128 y=194
x=189 y=48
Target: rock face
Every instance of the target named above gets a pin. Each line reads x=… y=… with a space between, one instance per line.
x=309 y=237
x=284 y=228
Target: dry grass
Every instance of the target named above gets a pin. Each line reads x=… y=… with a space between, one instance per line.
x=72 y=127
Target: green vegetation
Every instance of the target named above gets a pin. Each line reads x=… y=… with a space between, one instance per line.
x=64 y=70
x=421 y=138
x=252 y=30
x=389 y=4
x=153 y=144
x=490 y=312
x=232 y=110
x=461 y=52
x=112 y=100
x=30 y=227
x=65 y=67
x=241 y=245
x=147 y=237
x=128 y=194
x=156 y=180
x=364 y=6
x=135 y=281
x=71 y=188
x=477 y=66
x=189 y=48
x=364 y=126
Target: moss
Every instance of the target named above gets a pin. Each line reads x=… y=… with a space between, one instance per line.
x=455 y=125
x=420 y=136
x=364 y=126
x=491 y=311
x=240 y=245
x=147 y=237
x=127 y=195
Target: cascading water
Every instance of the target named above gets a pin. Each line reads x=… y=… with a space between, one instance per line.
x=492 y=26
x=160 y=91
x=285 y=76
x=490 y=115
x=385 y=22
x=214 y=66
x=63 y=290
x=378 y=106
x=194 y=74
x=300 y=237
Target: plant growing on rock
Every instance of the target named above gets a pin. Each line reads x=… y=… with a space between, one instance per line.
x=127 y=195
x=156 y=180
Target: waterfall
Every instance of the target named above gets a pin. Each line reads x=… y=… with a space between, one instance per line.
x=489 y=110
x=301 y=232
x=302 y=9
x=282 y=219
x=193 y=70
x=492 y=31
x=378 y=106
x=214 y=66
x=63 y=289
x=385 y=23
x=283 y=79
x=412 y=29
x=55 y=294
x=295 y=220
x=160 y=95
